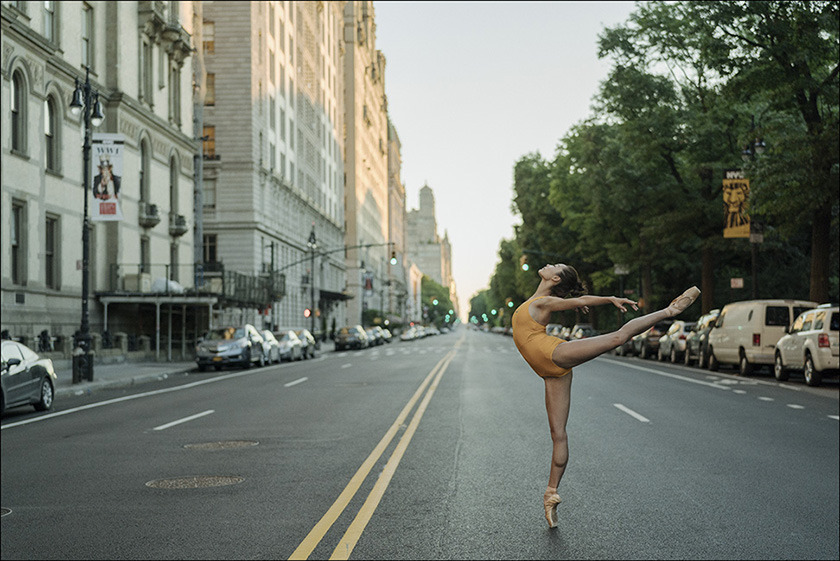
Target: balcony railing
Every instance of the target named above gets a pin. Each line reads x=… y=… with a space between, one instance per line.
x=149 y=216
x=177 y=225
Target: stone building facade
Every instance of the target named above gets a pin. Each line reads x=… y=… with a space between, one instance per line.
x=138 y=54
x=366 y=163
x=398 y=264
x=273 y=120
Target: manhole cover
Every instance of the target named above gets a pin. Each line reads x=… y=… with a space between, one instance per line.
x=197 y=482
x=4 y=511
x=223 y=445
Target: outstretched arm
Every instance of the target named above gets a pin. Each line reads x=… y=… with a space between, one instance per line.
x=554 y=304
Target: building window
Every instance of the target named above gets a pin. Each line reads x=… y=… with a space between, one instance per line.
x=145 y=158
x=173 y=262
x=18 y=102
x=146 y=72
x=209 y=37
x=209 y=194
x=272 y=112
x=272 y=156
x=51 y=142
x=173 y=185
x=87 y=35
x=210 y=91
x=209 y=142
x=49 y=21
x=282 y=125
x=210 y=247
x=16 y=239
x=145 y=255
x=271 y=67
x=175 y=95
x=51 y=268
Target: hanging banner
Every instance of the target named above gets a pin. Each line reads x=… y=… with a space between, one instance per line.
x=106 y=163
x=736 y=196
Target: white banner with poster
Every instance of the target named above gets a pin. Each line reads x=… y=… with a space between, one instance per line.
x=106 y=163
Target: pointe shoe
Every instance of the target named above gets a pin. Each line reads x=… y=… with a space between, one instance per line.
x=686 y=299
x=550 y=503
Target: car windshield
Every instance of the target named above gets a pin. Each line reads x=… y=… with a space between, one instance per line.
x=286 y=337
x=226 y=333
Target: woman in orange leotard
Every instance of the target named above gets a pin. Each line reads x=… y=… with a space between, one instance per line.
x=552 y=359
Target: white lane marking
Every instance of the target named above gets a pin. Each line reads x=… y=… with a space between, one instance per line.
x=795 y=406
x=295 y=382
x=346 y=365
x=763 y=398
x=666 y=374
x=631 y=413
x=740 y=392
x=135 y=396
x=185 y=419
x=835 y=417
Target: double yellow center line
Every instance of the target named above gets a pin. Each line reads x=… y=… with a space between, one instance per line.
x=354 y=532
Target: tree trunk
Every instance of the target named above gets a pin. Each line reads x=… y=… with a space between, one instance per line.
x=820 y=254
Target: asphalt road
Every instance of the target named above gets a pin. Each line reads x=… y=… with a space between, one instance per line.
x=432 y=449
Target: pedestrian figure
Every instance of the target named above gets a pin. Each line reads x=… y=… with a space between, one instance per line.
x=552 y=359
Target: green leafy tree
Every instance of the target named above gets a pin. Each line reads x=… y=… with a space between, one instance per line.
x=435 y=299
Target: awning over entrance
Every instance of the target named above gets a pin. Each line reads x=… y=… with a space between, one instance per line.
x=334 y=296
x=158 y=300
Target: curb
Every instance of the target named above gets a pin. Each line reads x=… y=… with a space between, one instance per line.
x=90 y=387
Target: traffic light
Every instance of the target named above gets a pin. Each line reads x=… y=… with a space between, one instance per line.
x=307 y=312
x=393 y=258
x=523 y=262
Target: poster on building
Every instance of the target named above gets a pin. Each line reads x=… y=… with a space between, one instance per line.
x=736 y=196
x=106 y=169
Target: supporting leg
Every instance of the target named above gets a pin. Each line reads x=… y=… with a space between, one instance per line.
x=557 y=397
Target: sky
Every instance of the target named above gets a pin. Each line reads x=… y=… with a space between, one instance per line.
x=474 y=86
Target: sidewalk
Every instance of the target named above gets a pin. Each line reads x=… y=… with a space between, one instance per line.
x=127 y=374
x=118 y=375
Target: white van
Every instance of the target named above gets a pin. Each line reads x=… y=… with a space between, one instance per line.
x=746 y=332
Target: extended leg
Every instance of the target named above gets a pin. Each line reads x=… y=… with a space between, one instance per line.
x=573 y=353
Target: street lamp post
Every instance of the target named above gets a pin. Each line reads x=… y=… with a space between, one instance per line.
x=312 y=246
x=86 y=102
x=755 y=147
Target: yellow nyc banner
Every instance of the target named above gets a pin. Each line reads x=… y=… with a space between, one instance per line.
x=736 y=196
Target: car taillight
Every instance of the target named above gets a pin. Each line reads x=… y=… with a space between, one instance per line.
x=756 y=339
x=682 y=337
x=823 y=341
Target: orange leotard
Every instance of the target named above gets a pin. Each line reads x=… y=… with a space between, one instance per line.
x=534 y=344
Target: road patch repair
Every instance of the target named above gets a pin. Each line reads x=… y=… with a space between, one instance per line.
x=222 y=445
x=195 y=482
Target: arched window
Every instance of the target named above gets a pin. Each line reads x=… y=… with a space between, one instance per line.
x=18 y=100
x=173 y=185
x=51 y=131
x=144 y=171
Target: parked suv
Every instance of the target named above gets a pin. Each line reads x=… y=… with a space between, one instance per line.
x=672 y=344
x=746 y=333
x=697 y=340
x=812 y=345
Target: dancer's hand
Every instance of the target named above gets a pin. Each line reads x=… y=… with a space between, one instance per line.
x=584 y=309
x=620 y=303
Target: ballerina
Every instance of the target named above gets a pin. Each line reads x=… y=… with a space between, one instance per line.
x=552 y=359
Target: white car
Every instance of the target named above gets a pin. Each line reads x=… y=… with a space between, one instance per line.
x=812 y=345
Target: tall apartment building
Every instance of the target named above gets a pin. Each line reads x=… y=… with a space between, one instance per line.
x=273 y=152
x=398 y=265
x=425 y=247
x=139 y=57
x=366 y=163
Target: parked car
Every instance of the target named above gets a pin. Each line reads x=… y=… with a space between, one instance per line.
x=811 y=345
x=351 y=337
x=697 y=340
x=553 y=329
x=271 y=345
x=627 y=349
x=409 y=334
x=646 y=344
x=27 y=379
x=374 y=337
x=307 y=340
x=242 y=345
x=388 y=335
x=745 y=334
x=582 y=331
x=672 y=344
x=291 y=347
